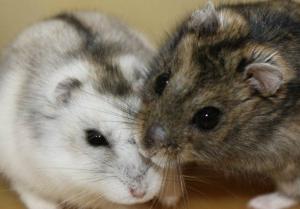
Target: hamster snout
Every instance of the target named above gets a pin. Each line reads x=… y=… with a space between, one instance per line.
x=138 y=193
x=159 y=146
x=156 y=134
x=157 y=138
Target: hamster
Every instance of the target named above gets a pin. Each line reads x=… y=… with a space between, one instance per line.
x=69 y=90
x=224 y=91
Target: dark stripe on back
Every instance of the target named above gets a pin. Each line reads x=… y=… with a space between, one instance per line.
x=112 y=79
x=99 y=50
x=86 y=34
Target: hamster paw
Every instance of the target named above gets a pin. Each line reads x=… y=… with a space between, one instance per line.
x=33 y=201
x=271 y=201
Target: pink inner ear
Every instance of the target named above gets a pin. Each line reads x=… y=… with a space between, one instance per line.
x=264 y=77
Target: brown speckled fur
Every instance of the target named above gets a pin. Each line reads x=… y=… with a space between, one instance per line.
x=256 y=133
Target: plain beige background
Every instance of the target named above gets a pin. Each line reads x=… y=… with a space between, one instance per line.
x=155 y=18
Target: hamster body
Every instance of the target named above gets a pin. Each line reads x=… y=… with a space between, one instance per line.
x=224 y=91
x=68 y=95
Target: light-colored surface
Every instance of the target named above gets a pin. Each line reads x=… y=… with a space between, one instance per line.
x=154 y=18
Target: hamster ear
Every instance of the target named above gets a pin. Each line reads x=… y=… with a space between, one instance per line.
x=64 y=90
x=263 y=77
x=205 y=21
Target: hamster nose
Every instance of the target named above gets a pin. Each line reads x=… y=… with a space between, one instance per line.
x=137 y=193
x=156 y=134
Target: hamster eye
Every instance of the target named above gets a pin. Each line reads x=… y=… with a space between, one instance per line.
x=161 y=83
x=207 y=118
x=95 y=138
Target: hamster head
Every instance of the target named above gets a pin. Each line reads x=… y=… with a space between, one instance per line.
x=217 y=91
x=83 y=127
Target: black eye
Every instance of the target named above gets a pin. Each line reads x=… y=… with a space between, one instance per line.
x=207 y=118
x=161 y=83
x=95 y=138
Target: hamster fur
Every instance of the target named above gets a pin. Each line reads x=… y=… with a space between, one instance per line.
x=224 y=91
x=68 y=93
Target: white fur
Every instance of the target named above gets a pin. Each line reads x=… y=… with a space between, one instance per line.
x=33 y=201
x=55 y=160
x=272 y=201
x=131 y=65
x=12 y=83
x=48 y=159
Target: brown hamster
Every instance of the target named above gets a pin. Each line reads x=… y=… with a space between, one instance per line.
x=224 y=90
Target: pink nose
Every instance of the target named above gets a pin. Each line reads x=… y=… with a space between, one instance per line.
x=137 y=193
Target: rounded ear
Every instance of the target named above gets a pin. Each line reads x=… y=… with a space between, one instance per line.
x=204 y=21
x=264 y=77
x=64 y=90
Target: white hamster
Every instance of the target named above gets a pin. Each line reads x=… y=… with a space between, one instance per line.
x=68 y=95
